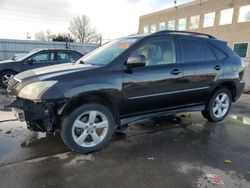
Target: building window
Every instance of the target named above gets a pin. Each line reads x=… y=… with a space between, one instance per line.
x=145 y=29
x=182 y=24
x=226 y=16
x=195 y=22
x=153 y=28
x=244 y=14
x=161 y=26
x=241 y=49
x=209 y=19
x=171 y=25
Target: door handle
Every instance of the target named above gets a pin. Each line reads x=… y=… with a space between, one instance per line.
x=175 y=72
x=217 y=67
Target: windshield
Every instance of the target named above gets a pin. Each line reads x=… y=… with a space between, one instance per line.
x=108 y=52
x=25 y=56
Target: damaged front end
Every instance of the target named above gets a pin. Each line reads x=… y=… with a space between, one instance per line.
x=40 y=116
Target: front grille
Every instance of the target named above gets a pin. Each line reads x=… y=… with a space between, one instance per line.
x=13 y=82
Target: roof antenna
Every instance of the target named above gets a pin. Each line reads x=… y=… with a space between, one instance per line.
x=175 y=2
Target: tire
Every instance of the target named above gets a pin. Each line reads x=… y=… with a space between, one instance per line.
x=218 y=106
x=5 y=77
x=81 y=129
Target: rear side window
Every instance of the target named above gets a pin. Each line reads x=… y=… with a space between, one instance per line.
x=66 y=56
x=210 y=54
x=219 y=54
x=193 y=51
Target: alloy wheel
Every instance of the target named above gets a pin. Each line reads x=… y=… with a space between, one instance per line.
x=90 y=128
x=221 y=105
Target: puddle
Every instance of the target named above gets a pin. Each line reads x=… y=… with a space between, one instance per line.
x=8 y=145
x=242 y=119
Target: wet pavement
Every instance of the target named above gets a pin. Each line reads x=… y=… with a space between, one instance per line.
x=165 y=152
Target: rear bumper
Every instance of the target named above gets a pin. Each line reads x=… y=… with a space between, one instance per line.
x=239 y=89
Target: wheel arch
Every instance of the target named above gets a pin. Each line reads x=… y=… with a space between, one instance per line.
x=92 y=97
x=230 y=85
x=6 y=70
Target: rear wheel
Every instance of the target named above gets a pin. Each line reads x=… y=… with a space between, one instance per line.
x=218 y=106
x=88 y=128
x=5 y=77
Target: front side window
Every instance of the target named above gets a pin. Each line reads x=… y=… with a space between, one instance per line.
x=226 y=16
x=153 y=28
x=108 y=52
x=193 y=51
x=42 y=57
x=145 y=29
x=244 y=14
x=157 y=52
x=195 y=22
x=171 y=25
x=241 y=49
x=209 y=19
x=182 y=24
x=161 y=26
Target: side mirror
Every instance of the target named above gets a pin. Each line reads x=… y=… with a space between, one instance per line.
x=138 y=61
x=30 y=61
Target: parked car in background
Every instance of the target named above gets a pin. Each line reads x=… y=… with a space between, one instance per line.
x=35 y=59
x=126 y=80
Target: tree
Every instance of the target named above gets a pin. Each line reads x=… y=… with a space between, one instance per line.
x=44 y=36
x=62 y=38
x=82 y=31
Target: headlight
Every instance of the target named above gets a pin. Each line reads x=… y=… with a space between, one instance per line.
x=35 y=90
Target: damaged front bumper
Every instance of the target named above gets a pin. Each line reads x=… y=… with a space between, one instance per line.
x=40 y=116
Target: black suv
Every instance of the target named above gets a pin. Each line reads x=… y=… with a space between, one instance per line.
x=126 y=80
x=35 y=59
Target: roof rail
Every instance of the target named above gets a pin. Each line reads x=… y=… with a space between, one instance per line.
x=183 y=32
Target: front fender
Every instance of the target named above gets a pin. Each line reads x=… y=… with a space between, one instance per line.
x=107 y=88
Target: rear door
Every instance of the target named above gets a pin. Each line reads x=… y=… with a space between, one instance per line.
x=201 y=69
x=157 y=85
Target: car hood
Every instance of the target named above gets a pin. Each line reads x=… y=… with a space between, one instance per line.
x=7 y=61
x=53 y=71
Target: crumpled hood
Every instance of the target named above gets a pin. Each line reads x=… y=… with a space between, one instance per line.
x=53 y=71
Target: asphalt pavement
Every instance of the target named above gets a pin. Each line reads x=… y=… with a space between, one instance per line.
x=181 y=151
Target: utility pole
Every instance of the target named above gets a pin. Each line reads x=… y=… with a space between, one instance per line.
x=68 y=42
x=27 y=36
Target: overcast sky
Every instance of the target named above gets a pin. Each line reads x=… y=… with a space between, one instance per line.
x=112 y=18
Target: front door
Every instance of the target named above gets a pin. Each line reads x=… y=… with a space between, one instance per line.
x=158 y=84
x=41 y=59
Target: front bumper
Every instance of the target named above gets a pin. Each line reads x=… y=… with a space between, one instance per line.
x=39 y=116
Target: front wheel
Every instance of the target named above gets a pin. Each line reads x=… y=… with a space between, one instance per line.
x=88 y=128
x=218 y=106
